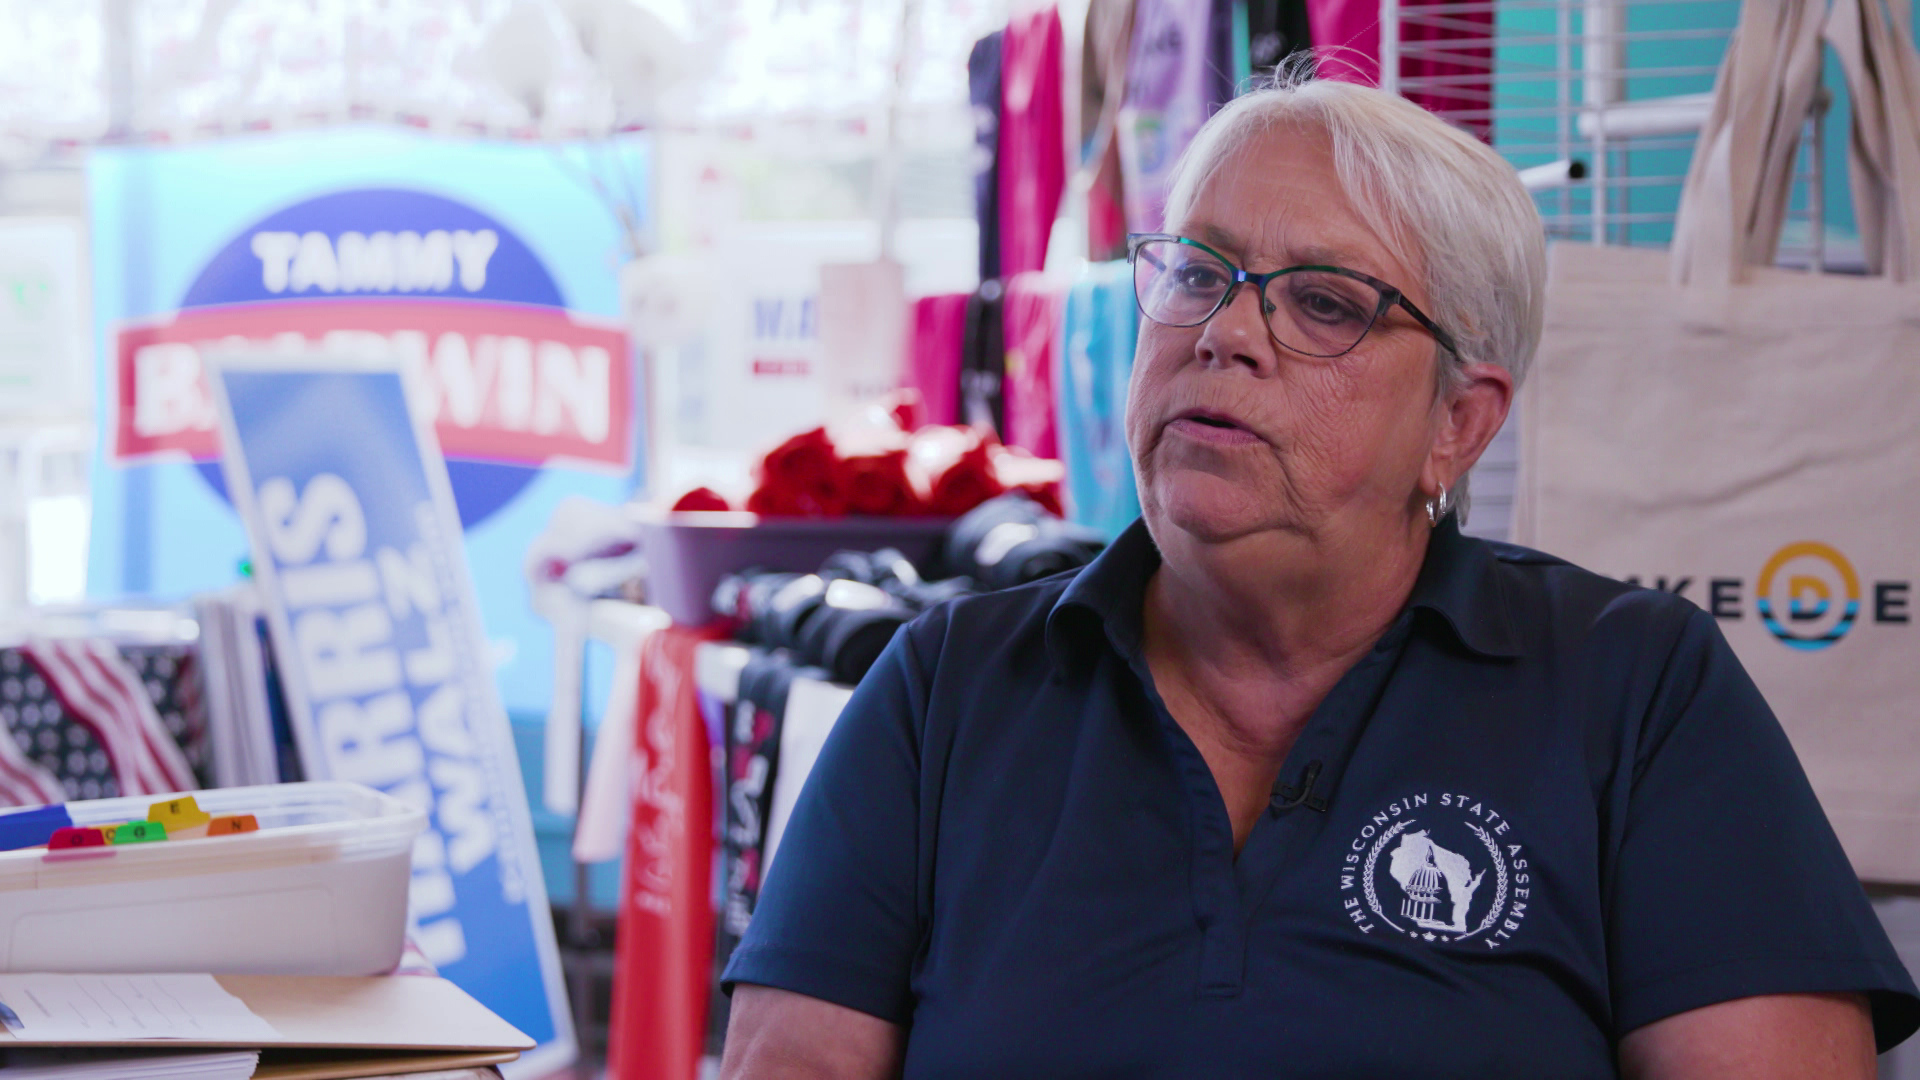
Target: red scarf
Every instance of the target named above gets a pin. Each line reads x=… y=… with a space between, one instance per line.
x=664 y=952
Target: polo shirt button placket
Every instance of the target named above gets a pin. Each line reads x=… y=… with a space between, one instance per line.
x=1223 y=937
x=1215 y=887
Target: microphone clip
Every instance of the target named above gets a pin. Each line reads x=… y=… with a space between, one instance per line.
x=1288 y=796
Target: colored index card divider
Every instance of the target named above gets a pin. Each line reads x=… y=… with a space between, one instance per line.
x=108 y=831
x=233 y=825
x=140 y=832
x=31 y=828
x=76 y=836
x=178 y=814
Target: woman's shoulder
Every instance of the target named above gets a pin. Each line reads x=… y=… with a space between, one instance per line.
x=985 y=624
x=1548 y=596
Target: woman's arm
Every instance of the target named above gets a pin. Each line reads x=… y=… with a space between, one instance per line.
x=1775 y=1037
x=822 y=978
x=780 y=1035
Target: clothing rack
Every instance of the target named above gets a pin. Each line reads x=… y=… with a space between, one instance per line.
x=585 y=935
x=1598 y=102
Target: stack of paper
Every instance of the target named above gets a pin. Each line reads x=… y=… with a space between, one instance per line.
x=267 y=1027
x=69 y=1010
x=70 y=1064
x=239 y=706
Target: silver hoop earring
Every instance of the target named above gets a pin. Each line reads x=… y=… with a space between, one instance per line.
x=1438 y=508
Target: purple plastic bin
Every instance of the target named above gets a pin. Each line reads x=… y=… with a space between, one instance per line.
x=689 y=552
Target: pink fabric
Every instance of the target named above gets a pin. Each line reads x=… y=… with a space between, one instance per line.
x=1473 y=94
x=933 y=356
x=1346 y=39
x=1107 y=211
x=1033 y=152
x=1346 y=36
x=1032 y=322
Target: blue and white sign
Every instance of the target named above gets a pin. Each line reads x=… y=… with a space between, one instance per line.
x=357 y=550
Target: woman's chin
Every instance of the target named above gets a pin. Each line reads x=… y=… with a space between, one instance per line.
x=1212 y=510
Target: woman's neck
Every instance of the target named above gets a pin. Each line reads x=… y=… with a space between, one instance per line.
x=1254 y=633
x=1284 y=601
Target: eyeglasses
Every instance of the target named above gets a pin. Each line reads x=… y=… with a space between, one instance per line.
x=1318 y=311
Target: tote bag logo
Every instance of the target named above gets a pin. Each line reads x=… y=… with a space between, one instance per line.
x=1819 y=597
x=1808 y=596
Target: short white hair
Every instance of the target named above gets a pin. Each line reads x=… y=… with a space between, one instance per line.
x=1445 y=200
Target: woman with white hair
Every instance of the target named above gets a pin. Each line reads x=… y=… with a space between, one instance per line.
x=1296 y=779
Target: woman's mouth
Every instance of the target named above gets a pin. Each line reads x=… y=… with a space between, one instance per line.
x=1216 y=428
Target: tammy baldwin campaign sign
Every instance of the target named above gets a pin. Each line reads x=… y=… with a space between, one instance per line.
x=491 y=268
x=512 y=376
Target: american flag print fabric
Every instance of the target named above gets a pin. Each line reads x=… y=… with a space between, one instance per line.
x=36 y=745
x=96 y=687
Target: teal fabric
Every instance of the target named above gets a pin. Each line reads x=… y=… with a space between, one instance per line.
x=553 y=833
x=1099 y=329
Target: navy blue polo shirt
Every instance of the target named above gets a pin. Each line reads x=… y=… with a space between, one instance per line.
x=1546 y=809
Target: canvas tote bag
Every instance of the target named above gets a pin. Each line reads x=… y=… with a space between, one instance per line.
x=1750 y=437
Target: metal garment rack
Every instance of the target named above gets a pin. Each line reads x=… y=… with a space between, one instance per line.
x=1598 y=103
x=585 y=934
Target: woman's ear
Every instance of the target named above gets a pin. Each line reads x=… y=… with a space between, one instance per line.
x=1470 y=417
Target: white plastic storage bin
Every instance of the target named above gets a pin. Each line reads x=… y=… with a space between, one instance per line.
x=321 y=889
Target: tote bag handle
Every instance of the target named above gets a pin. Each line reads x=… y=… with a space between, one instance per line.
x=1874 y=40
x=1734 y=201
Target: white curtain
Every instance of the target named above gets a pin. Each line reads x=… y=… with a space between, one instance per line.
x=86 y=71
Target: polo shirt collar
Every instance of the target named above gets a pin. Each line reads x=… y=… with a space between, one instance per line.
x=1106 y=595
x=1459 y=583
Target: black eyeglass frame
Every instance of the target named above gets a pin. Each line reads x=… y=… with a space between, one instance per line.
x=1390 y=297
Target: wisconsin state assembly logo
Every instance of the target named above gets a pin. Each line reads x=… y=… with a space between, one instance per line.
x=1442 y=869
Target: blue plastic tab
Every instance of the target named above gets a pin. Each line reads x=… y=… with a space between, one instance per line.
x=32 y=828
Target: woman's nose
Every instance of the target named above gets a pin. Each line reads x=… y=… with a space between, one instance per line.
x=1238 y=335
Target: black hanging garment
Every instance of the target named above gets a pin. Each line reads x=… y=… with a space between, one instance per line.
x=752 y=759
x=1276 y=29
x=983 y=360
x=983 y=89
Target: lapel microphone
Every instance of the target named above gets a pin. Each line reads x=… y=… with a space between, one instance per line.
x=1289 y=796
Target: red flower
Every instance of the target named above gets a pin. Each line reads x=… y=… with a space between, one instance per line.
x=802 y=477
x=877 y=484
x=702 y=498
x=967 y=483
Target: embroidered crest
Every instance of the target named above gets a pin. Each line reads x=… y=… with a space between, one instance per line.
x=1442 y=869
